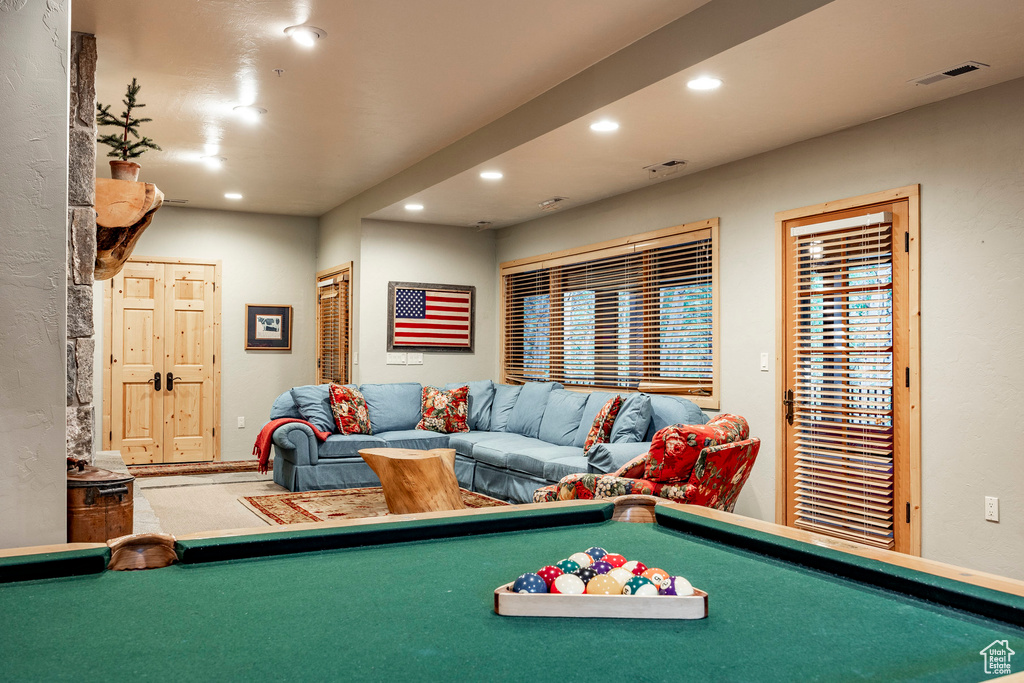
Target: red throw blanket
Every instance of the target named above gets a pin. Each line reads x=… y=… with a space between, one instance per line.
x=262 y=448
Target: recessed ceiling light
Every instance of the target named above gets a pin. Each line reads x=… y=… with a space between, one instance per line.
x=413 y=207
x=492 y=175
x=232 y=195
x=704 y=83
x=604 y=126
x=250 y=113
x=213 y=162
x=306 y=36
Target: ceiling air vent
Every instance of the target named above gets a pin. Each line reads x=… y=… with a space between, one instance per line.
x=958 y=70
x=175 y=201
x=664 y=169
x=551 y=204
x=482 y=225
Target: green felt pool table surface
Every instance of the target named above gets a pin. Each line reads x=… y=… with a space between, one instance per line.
x=413 y=600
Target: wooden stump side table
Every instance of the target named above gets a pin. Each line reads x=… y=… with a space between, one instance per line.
x=416 y=481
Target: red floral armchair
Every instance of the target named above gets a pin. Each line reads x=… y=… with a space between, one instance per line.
x=697 y=464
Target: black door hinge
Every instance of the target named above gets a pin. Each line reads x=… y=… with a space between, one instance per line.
x=908 y=513
x=110 y=435
x=215 y=431
x=908 y=378
x=906 y=242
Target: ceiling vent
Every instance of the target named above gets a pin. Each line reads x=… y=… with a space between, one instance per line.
x=175 y=201
x=551 y=204
x=482 y=225
x=958 y=70
x=664 y=169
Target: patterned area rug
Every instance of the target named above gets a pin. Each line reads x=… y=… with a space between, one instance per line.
x=323 y=506
x=175 y=470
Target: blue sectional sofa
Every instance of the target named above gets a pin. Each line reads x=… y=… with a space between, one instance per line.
x=521 y=437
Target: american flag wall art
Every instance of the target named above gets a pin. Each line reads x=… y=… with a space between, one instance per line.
x=430 y=317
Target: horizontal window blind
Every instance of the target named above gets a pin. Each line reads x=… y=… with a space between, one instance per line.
x=842 y=354
x=332 y=329
x=636 y=316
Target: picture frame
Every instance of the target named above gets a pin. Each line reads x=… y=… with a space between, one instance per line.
x=268 y=327
x=432 y=318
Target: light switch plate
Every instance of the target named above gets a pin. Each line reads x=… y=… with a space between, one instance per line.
x=764 y=362
x=396 y=359
x=415 y=359
x=355 y=358
x=241 y=423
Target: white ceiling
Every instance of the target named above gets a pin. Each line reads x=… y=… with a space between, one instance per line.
x=841 y=65
x=392 y=82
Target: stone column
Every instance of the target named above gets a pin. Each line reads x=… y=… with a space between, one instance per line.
x=81 y=244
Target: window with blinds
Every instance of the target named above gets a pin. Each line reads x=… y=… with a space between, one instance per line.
x=638 y=313
x=848 y=376
x=332 y=323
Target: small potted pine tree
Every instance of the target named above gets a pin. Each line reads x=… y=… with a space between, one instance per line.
x=124 y=149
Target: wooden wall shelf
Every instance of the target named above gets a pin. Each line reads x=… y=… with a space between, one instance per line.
x=123 y=210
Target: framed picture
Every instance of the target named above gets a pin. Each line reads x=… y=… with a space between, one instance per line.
x=430 y=317
x=268 y=327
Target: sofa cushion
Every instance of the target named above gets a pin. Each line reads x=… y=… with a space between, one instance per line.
x=284 y=406
x=463 y=443
x=672 y=410
x=601 y=430
x=495 y=452
x=675 y=449
x=565 y=465
x=533 y=460
x=393 y=407
x=634 y=418
x=314 y=404
x=481 y=397
x=349 y=409
x=416 y=439
x=505 y=396
x=529 y=409
x=562 y=417
x=444 y=410
x=595 y=401
x=608 y=457
x=348 y=445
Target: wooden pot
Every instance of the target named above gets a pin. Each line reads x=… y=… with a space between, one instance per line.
x=124 y=170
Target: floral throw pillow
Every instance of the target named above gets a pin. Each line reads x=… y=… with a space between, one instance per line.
x=350 y=411
x=445 y=411
x=676 y=448
x=602 y=427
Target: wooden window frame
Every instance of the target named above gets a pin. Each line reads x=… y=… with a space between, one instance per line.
x=911 y=193
x=347 y=269
x=622 y=246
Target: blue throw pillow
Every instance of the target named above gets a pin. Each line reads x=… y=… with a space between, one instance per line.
x=284 y=406
x=529 y=409
x=633 y=420
x=314 y=404
x=393 y=407
x=505 y=396
x=481 y=397
x=672 y=410
x=562 y=417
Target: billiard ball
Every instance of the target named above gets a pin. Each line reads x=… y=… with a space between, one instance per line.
x=602 y=567
x=567 y=566
x=586 y=573
x=596 y=553
x=568 y=584
x=637 y=568
x=620 y=576
x=549 y=574
x=657 y=576
x=582 y=559
x=530 y=583
x=639 y=585
x=602 y=584
x=614 y=560
x=676 y=585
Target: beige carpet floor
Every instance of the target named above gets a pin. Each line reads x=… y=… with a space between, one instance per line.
x=206 y=502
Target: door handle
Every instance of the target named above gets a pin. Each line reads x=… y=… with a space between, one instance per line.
x=170 y=382
x=788 y=402
x=155 y=381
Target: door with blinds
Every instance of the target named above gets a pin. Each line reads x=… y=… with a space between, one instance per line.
x=848 y=467
x=333 y=298
x=161 y=378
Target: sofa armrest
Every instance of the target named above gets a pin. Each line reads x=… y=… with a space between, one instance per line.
x=720 y=473
x=606 y=458
x=296 y=443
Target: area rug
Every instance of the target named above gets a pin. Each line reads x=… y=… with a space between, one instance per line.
x=174 y=470
x=324 y=506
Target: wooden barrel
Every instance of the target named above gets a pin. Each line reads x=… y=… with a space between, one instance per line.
x=100 y=505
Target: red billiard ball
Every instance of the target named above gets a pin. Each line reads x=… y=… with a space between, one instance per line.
x=549 y=574
x=638 y=568
x=614 y=560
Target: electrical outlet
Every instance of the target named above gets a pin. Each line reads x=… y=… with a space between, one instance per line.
x=396 y=359
x=241 y=423
x=992 y=508
x=764 y=362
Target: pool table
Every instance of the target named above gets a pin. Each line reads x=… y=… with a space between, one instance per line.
x=411 y=598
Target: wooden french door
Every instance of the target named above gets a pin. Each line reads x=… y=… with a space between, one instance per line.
x=162 y=338
x=333 y=324
x=849 y=442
